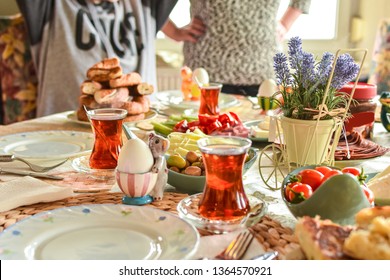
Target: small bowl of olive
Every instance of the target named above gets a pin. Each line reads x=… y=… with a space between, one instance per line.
x=187 y=174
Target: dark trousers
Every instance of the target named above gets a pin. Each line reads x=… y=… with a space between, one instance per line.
x=251 y=90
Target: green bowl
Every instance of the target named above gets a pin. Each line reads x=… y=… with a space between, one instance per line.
x=195 y=184
x=338 y=199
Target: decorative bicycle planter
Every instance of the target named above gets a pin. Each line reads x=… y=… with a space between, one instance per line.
x=303 y=142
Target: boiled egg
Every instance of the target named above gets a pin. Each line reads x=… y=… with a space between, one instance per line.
x=200 y=75
x=267 y=88
x=135 y=157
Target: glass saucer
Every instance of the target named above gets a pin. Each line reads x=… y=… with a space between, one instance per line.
x=81 y=164
x=188 y=210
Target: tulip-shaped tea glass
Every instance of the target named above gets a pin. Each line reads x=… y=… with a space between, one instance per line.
x=223 y=196
x=107 y=129
x=209 y=95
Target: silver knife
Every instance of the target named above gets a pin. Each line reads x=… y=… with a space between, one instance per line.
x=29 y=173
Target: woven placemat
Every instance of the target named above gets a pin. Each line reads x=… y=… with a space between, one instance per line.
x=270 y=233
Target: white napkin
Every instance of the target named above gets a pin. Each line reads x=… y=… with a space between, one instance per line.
x=28 y=190
x=212 y=245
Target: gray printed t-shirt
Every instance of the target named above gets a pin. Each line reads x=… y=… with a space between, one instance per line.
x=65 y=42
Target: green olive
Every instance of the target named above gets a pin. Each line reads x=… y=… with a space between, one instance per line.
x=177 y=161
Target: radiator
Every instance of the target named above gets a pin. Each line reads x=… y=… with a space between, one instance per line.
x=168 y=79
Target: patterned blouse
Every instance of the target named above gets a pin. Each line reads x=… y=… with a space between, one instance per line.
x=240 y=41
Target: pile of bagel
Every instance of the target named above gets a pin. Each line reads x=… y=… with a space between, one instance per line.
x=107 y=87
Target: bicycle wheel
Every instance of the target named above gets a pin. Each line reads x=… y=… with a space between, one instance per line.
x=273 y=166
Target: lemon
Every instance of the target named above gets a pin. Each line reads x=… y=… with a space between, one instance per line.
x=195 y=91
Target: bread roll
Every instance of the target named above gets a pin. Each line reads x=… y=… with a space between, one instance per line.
x=107 y=63
x=138 y=105
x=88 y=101
x=90 y=87
x=365 y=216
x=372 y=243
x=321 y=239
x=141 y=89
x=115 y=97
x=82 y=115
x=126 y=80
x=104 y=75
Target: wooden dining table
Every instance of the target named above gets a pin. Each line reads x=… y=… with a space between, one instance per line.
x=275 y=231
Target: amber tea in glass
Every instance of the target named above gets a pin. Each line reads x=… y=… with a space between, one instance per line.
x=107 y=129
x=209 y=95
x=224 y=197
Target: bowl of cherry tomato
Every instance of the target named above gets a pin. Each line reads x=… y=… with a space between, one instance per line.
x=328 y=192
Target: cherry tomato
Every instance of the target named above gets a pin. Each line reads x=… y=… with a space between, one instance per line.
x=323 y=169
x=352 y=170
x=330 y=174
x=311 y=177
x=288 y=189
x=299 y=192
x=369 y=194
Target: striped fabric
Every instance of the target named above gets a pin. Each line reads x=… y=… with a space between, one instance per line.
x=136 y=185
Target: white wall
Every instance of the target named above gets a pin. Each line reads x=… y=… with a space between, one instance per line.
x=372 y=12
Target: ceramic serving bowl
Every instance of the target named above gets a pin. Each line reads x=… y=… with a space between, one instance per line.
x=338 y=199
x=195 y=184
x=136 y=186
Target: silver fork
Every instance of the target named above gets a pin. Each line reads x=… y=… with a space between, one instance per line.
x=237 y=247
x=33 y=167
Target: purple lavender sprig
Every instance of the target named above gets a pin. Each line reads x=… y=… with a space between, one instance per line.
x=307 y=70
x=282 y=71
x=295 y=52
x=345 y=71
x=324 y=68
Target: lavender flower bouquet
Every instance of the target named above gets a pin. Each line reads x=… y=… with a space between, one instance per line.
x=302 y=82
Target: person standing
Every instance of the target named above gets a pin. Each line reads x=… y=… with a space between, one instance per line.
x=69 y=36
x=235 y=41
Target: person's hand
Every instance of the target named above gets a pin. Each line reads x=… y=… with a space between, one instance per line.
x=191 y=32
x=281 y=32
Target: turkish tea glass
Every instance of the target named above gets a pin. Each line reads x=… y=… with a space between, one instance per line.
x=209 y=95
x=107 y=129
x=223 y=196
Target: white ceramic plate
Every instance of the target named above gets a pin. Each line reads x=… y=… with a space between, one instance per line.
x=174 y=99
x=52 y=144
x=81 y=164
x=352 y=162
x=106 y=231
x=248 y=124
x=188 y=210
